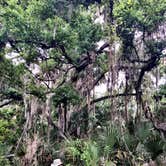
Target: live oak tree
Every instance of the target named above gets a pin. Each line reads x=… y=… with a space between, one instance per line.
x=51 y=63
x=40 y=34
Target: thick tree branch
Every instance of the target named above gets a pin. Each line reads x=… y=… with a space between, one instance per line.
x=52 y=44
x=101 y=49
x=99 y=78
x=148 y=67
x=6 y=103
x=111 y=96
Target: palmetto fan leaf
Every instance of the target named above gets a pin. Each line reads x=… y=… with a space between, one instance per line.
x=108 y=139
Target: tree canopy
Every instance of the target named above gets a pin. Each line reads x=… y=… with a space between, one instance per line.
x=55 y=55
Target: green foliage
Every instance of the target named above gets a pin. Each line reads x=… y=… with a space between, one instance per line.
x=108 y=140
x=88 y=32
x=7 y=125
x=155 y=145
x=155 y=47
x=9 y=132
x=40 y=22
x=83 y=152
x=90 y=153
x=144 y=143
x=3 y=160
x=102 y=62
x=74 y=151
x=162 y=90
x=12 y=93
x=102 y=113
x=36 y=90
x=45 y=32
x=49 y=65
x=143 y=14
x=114 y=147
x=143 y=131
x=10 y=74
x=129 y=142
x=66 y=94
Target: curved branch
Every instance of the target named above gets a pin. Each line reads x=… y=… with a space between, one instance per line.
x=112 y=96
x=101 y=49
